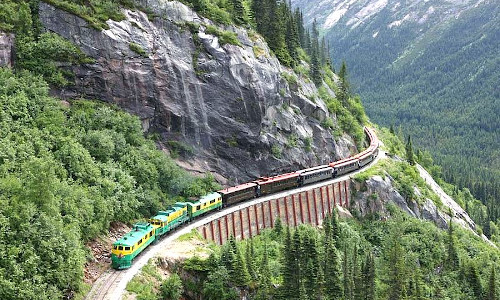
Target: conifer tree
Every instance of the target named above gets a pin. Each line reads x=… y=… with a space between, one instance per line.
x=265 y=282
x=333 y=280
x=409 y=152
x=346 y=270
x=358 y=290
x=312 y=276
x=250 y=260
x=369 y=277
x=278 y=227
x=239 y=272
x=239 y=14
x=299 y=20
x=492 y=291
x=475 y=282
x=344 y=84
x=260 y=14
x=397 y=273
x=289 y=264
x=452 y=258
x=296 y=259
x=335 y=226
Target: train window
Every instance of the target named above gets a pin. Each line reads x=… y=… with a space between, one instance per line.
x=212 y=201
x=115 y=247
x=120 y=248
x=198 y=207
x=127 y=248
x=151 y=234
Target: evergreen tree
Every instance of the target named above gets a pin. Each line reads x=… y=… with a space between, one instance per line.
x=296 y=259
x=358 y=290
x=397 y=273
x=299 y=20
x=335 y=226
x=288 y=288
x=315 y=56
x=333 y=280
x=452 y=259
x=369 y=277
x=240 y=271
x=278 y=227
x=409 y=152
x=346 y=270
x=239 y=14
x=344 y=84
x=265 y=282
x=312 y=276
x=475 y=282
x=260 y=14
x=492 y=291
x=250 y=260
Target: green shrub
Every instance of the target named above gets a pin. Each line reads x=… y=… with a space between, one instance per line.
x=138 y=49
x=276 y=151
x=225 y=37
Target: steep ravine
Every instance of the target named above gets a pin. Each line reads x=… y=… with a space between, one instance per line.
x=228 y=105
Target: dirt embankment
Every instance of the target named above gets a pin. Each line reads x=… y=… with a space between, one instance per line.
x=100 y=249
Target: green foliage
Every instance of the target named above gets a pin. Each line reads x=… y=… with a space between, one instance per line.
x=95 y=12
x=171 y=288
x=225 y=37
x=290 y=78
x=138 y=49
x=66 y=172
x=141 y=283
x=276 y=151
x=43 y=56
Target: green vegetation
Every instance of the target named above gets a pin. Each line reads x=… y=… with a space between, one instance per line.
x=398 y=258
x=138 y=49
x=439 y=83
x=65 y=174
x=143 y=284
x=225 y=37
x=276 y=151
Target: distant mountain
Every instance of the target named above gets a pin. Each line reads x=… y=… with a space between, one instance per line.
x=433 y=67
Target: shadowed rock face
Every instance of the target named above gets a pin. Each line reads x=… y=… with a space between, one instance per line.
x=230 y=103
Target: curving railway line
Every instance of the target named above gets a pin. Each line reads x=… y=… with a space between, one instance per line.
x=111 y=284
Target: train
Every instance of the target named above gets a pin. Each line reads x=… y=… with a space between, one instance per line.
x=143 y=234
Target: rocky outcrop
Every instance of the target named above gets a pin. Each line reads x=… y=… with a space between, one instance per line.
x=230 y=103
x=6 y=49
x=374 y=195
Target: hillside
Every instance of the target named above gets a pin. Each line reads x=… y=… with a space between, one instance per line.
x=430 y=67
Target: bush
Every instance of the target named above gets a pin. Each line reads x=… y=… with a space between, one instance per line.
x=171 y=288
x=138 y=49
x=225 y=37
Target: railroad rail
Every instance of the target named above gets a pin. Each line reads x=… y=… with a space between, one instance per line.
x=112 y=283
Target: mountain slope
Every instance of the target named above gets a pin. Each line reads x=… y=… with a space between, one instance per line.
x=431 y=66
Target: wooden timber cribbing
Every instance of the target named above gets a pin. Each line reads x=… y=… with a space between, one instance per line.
x=309 y=207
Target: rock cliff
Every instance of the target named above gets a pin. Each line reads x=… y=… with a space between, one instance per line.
x=230 y=106
x=374 y=196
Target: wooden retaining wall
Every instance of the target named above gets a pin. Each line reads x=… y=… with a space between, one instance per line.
x=309 y=207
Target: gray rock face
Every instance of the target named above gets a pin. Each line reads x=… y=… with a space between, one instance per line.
x=6 y=49
x=230 y=103
x=373 y=196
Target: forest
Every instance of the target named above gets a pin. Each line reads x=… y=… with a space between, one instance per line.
x=347 y=258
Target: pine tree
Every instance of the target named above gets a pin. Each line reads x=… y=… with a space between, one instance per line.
x=335 y=226
x=475 y=282
x=409 y=152
x=397 y=274
x=239 y=14
x=278 y=227
x=239 y=272
x=452 y=259
x=358 y=291
x=369 y=277
x=299 y=20
x=315 y=56
x=344 y=92
x=260 y=14
x=250 y=260
x=346 y=270
x=265 y=282
x=311 y=261
x=492 y=291
x=333 y=280
x=289 y=289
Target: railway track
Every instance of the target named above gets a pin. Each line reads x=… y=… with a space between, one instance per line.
x=111 y=284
